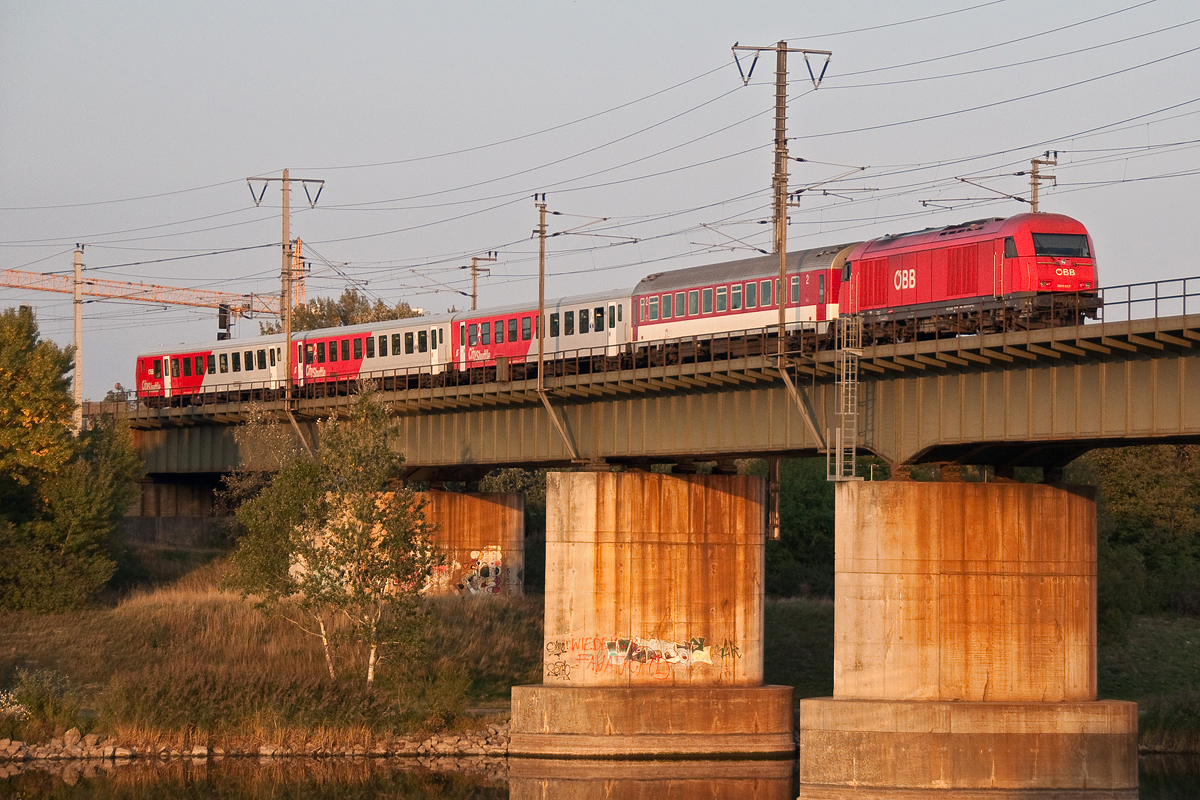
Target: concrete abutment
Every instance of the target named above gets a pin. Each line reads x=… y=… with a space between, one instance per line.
x=965 y=646
x=654 y=622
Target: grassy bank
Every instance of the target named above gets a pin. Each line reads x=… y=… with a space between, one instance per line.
x=188 y=664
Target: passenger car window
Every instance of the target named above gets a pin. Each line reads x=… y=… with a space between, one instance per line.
x=599 y=314
x=423 y=341
x=473 y=337
x=568 y=323
x=554 y=324
x=526 y=328
x=583 y=320
x=654 y=308
x=735 y=297
x=706 y=301
x=358 y=353
x=320 y=353
x=223 y=361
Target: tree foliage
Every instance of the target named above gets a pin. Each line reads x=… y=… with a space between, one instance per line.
x=351 y=308
x=1149 y=529
x=335 y=533
x=61 y=495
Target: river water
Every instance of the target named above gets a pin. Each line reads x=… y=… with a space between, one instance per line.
x=1162 y=778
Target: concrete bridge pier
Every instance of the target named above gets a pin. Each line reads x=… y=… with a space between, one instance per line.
x=965 y=647
x=482 y=536
x=654 y=622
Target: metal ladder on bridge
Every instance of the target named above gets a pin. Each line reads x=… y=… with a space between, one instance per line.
x=843 y=449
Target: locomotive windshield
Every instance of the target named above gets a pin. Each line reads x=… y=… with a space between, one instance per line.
x=1066 y=245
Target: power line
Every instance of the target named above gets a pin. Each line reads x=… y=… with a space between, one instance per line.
x=1014 y=64
x=943 y=115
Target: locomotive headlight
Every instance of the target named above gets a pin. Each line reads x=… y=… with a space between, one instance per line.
x=1045 y=283
x=1086 y=284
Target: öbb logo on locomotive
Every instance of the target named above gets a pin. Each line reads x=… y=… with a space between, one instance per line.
x=980 y=276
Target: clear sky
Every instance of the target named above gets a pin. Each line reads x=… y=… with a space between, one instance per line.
x=130 y=126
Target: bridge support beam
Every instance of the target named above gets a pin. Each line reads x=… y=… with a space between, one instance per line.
x=654 y=622
x=965 y=646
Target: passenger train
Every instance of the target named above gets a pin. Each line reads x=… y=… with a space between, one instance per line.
x=980 y=276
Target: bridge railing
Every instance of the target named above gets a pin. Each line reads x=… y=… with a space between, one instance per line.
x=1150 y=299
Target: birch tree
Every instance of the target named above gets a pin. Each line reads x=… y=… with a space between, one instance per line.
x=340 y=534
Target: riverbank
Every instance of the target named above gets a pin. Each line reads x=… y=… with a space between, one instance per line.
x=490 y=740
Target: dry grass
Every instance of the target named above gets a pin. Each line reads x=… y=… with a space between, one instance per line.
x=187 y=664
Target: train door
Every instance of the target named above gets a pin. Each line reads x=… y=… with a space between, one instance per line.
x=1000 y=248
x=275 y=366
x=434 y=349
x=166 y=368
x=616 y=324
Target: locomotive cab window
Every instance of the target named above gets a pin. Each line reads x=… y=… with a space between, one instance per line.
x=1061 y=245
x=1010 y=247
x=568 y=323
x=846 y=271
